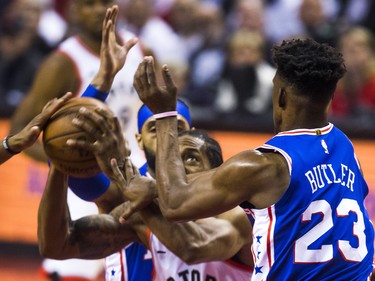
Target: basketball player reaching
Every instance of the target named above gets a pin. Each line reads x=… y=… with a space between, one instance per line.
x=14 y=144
x=225 y=237
x=132 y=262
x=70 y=69
x=305 y=186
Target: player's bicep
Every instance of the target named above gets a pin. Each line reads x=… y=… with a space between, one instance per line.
x=260 y=178
x=54 y=78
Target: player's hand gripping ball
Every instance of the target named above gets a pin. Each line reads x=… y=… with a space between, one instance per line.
x=70 y=161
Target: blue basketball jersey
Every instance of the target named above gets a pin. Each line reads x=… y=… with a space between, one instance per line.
x=132 y=263
x=320 y=228
x=139 y=262
x=139 y=258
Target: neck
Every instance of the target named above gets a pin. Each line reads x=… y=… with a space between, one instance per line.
x=305 y=114
x=91 y=43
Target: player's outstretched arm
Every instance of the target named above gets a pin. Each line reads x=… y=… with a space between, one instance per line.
x=208 y=239
x=203 y=240
x=260 y=178
x=112 y=59
x=112 y=54
x=90 y=237
x=13 y=144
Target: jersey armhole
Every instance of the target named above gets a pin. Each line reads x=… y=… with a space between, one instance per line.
x=270 y=148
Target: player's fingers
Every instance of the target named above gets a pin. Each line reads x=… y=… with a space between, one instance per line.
x=129 y=171
x=150 y=71
x=105 y=120
x=53 y=105
x=114 y=15
x=140 y=79
x=130 y=44
x=105 y=21
x=81 y=145
x=89 y=127
x=167 y=77
x=91 y=115
x=106 y=34
x=129 y=209
x=116 y=124
x=136 y=171
x=49 y=109
x=143 y=77
x=117 y=173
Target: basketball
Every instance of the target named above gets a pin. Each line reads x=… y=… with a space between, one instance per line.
x=73 y=162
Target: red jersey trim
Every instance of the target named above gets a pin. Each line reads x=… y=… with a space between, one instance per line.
x=317 y=131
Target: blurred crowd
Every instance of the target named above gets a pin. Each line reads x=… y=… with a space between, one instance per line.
x=218 y=52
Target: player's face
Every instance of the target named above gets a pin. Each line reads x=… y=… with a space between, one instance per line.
x=193 y=154
x=147 y=138
x=90 y=15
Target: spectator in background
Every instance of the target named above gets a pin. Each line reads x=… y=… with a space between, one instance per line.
x=315 y=23
x=249 y=15
x=207 y=62
x=246 y=85
x=283 y=19
x=22 y=50
x=181 y=18
x=55 y=22
x=154 y=32
x=354 y=98
x=368 y=20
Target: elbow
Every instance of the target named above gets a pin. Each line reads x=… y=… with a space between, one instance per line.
x=192 y=254
x=189 y=258
x=173 y=212
x=48 y=252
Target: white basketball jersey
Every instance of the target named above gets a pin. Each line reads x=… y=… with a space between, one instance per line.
x=169 y=267
x=123 y=99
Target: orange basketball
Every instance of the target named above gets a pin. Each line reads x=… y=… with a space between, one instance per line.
x=73 y=162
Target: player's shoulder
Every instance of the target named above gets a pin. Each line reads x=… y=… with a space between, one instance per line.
x=253 y=158
x=58 y=61
x=56 y=72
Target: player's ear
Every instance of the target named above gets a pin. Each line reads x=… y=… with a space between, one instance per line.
x=282 y=97
x=139 y=139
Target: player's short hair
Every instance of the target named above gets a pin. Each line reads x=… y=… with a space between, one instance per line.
x=212 y=147
x=312 y=68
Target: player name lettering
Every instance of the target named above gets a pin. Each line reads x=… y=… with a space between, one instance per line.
x=325 y=174
x=193 y=275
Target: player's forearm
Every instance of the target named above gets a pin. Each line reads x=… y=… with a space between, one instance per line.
x=183 y=239
x=103 y=81
x=5 y=154
x=193 y=242
x=170 y=173
x=53 y=216
x=36 y=151
x=98 y=236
